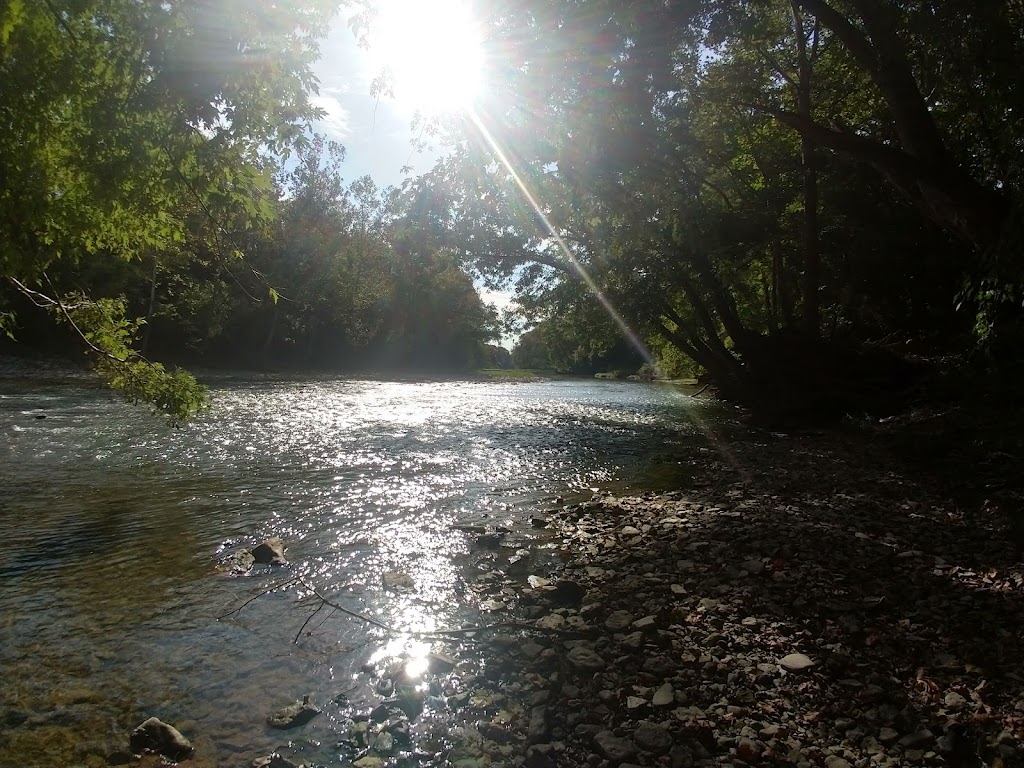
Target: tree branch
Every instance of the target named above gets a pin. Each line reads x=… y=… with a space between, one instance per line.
x=855 y=41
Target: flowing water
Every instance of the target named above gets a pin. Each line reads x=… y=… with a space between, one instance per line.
x=112 y=608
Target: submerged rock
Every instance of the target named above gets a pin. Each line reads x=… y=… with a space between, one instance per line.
x=154 y=735
x=237 y=563
x=295 y=714
x=274 y=761
x=398 y=581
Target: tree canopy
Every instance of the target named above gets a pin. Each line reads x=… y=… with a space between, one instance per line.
x=158 y=164
x=787 y=191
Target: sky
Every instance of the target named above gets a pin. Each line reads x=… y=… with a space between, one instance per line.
x=376 y=134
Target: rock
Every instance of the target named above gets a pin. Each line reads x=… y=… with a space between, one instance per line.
x=270 y=552
x=888 y=736
x=538 y=728
x=154 y=735
x=540 y=756
x=748 y=750
x=844 y=724
x=585 y=659
x=369 y=762
x=489 y=540
x=237 y=563
x=295 y=714
x=531 y=650
x=274 y=761
x=917 y=740
x=835 y=761
x=796 y=662
x=440 y=664
x=551 y=621
x=753 y=566
x=612 y=747
x=664 y=696
x=647 y=622
x=397 y=581
x=629 y=530
x=954 y=701
x=618 y=621
x=635 y=702
x=539 y=522
x=652 y=738
x=568 y=593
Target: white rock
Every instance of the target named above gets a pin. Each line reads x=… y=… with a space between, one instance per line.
x=795 y=662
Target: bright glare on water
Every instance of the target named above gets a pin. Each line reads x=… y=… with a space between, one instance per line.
x=113 y=525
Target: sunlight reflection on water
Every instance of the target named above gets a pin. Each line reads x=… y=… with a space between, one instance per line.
x=112 y=525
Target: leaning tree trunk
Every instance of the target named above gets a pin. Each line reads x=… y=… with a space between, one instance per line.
x=809 y=161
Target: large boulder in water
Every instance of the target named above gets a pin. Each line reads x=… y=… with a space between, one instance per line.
x=154 y=735
x=270 y=552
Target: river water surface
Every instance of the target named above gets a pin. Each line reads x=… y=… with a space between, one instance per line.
x=112 y=607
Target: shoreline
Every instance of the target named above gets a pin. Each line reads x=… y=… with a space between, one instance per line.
x=860 y=620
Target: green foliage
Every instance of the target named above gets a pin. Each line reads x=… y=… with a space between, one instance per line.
x=124 y=121
x=109 y=337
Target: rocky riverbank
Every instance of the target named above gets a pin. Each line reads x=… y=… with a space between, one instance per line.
x=807 y=604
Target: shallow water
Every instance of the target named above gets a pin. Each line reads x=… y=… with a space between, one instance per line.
x=113 y=525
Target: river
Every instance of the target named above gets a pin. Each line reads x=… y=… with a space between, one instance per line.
x=112 y=607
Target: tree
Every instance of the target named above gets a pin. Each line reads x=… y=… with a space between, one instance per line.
x=122 y=117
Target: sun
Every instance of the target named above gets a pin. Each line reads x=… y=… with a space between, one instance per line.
x=430 y=52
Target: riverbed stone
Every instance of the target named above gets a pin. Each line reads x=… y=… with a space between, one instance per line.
x=397 y=581
x=796 y=662
x=618 y=621
x=585 y=659
x=652 y=738
x=614 y=748
x=154 y=735
x=296 y=714
x=664 y=696
x=274 y=761
x=538 y=728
